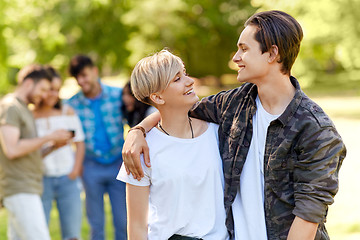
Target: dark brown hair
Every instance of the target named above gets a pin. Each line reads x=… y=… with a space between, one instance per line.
x=138 y=114
x=78 y=63
x=33 y=71
x=280 y=29
x=54 y=74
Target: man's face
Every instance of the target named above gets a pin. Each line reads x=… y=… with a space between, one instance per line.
x=39 y=91
x=252 y=63
x=87 y=79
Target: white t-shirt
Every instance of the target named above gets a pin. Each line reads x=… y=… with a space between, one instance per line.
x=150 y=110
x=248 y=207
x=186 y=186
x=61 y=161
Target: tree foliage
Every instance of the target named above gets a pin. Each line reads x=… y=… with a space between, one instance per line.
x=117 y=33
x=202 y=32
x=52 y=31
x=331 y=34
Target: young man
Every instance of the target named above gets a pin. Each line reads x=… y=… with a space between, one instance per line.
x=281 y=153
x=98 y=107
x=21 y=167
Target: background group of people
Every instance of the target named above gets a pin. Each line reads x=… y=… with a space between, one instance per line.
x=46 y=148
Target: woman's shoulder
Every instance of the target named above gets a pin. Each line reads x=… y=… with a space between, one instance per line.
x=150 y=110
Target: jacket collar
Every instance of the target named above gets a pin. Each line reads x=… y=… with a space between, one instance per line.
x=294 y=104
x=290 y=109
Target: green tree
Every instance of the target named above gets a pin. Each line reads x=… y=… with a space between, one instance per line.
x=203 y=33
x=117 y=33
x=4 y=84
x=52 y=31
x=331 y=33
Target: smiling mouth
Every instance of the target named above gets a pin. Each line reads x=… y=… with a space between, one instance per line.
x=241 y=68
x=189 y=92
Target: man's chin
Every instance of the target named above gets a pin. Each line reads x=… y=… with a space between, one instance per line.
x=241 y=80
x=86 y=90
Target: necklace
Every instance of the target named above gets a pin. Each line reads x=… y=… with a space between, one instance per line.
x=192 y=132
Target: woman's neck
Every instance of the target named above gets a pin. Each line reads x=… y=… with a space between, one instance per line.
x=46 y=111
x=176 y=124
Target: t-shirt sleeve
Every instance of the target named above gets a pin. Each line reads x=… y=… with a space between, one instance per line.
x=145 y=181
x=150 y=110
x=10 y=116
x=211 y=108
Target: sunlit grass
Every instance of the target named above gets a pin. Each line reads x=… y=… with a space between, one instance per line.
x=3 y=223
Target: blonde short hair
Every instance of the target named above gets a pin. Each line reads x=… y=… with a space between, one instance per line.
x=153 y=74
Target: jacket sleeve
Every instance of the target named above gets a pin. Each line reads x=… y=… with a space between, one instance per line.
x=212 y=108
x=316 y=172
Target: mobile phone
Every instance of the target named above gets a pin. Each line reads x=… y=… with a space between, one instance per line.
x=72 y=133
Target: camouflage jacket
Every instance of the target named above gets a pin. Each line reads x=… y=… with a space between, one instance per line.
x=303 y=154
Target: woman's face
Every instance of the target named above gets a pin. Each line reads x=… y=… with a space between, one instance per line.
x=128 y=99
x=53 y=96
x=180 y=92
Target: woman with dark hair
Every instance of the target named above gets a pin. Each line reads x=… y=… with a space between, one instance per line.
x=133 y=110
x=62 y=167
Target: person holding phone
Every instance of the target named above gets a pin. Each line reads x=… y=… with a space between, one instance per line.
x=21 y=167
x=62 y=167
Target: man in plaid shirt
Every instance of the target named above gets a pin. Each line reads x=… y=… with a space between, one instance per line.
x=98 y=107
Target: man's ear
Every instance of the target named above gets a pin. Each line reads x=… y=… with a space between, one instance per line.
x=274 y=54
x=157 y=99
x=96 y=70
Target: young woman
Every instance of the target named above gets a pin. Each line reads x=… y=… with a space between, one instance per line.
x=181 y=195
x=62 y=166
x=133 y=110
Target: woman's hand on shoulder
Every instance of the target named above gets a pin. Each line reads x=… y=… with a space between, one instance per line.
x=135 y=144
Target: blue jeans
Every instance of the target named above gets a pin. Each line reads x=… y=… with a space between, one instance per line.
x=99 y=179
x=66 y=193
